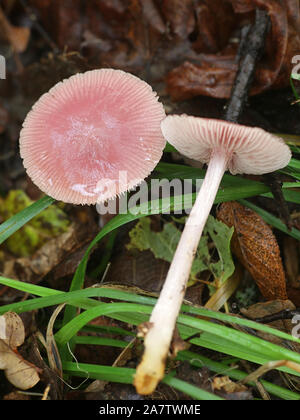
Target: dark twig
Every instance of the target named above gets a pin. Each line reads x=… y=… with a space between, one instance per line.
x=34 y=20
x=278 y=316
x=251 y=48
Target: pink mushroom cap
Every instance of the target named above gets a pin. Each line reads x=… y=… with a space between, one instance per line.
x=250 y=150
x=93 y=136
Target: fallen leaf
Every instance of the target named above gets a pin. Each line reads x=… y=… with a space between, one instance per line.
x=180 y=17
x=291 y=258
x=19 y=372
x=226 y=384
x=15 y=396
x=55 y=251
x=264 y=309
x=18 y=37
x=213 y=71
x=256 y=247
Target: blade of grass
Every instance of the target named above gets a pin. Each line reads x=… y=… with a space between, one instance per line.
x=19 y=220
x=254 y=346
x=79 y=298
x=192 y=390
x=104 y=373
x=198 y=360
x=125 y=376
x=251 y=348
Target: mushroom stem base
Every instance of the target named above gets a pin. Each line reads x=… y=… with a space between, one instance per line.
x=163 y=318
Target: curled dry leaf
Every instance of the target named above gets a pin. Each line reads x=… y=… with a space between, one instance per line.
x=256 y=247
x=18 y=371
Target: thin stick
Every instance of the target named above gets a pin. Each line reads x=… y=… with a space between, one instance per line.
x=253 y=49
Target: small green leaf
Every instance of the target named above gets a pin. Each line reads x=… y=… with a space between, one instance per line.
x=221 y=236
x=163 y=245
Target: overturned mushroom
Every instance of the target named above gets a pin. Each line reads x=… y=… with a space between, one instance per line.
x=93 y=136
x=222 y=146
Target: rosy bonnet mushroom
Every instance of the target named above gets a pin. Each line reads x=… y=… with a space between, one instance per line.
x=93 y=136
x=222 y=145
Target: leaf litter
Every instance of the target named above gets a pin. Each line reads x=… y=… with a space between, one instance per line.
x=21 y=373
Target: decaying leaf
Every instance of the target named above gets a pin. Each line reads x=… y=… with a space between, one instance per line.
x=54 y=252
x=230 y=390
x=291 y=252
x=265 y=309
x=226 y=384
x=213 y=71
x=18 y=371
x=256 y=247
x=18 y=37
x=163 y=245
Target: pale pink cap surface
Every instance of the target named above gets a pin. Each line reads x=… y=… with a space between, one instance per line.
x=93 y=136
x=250 y=150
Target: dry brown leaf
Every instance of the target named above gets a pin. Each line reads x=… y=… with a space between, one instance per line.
x=213 y=71
x=18 y=37
x=291 y=258
x=180 y=17
x=54 y=252
x=224 y=383
x=265 y=309
x=255 y=245
x=18 y=371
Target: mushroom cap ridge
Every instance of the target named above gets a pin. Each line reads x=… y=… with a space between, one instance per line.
x=93 y=136
x=251 y=150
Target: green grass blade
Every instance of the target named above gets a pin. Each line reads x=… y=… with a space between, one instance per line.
x=104 y=373
x=192 y=390
x=19 y=220
x=198 y=360
x=125 y=376
x=80 y=298
x=68 y=331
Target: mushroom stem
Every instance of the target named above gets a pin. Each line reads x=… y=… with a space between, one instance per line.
x=163 y=318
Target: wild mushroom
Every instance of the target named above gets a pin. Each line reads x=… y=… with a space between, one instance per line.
x=93 y=136
x=222 y=146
